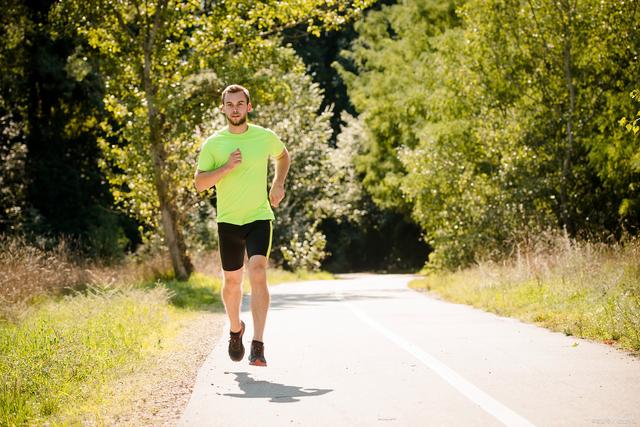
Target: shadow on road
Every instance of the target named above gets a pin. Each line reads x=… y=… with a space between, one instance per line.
x=278 y=393
x=298 y=300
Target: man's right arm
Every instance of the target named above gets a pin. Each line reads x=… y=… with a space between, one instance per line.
x=205 y=180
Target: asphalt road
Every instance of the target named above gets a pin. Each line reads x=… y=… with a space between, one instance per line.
x=367 y=351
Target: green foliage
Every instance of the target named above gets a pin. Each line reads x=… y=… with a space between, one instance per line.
x=159 y=80
x=13 y=154
x=349 y=199
x=620 y=163
x=49 y=180
x=364 y=236
x=14 y=24
x=560 y=67
x=388 y=86
x=632 y=124
x=305 y=252
x=310 y=189
x=495 y=119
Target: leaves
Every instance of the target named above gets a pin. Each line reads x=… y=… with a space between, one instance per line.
x=164 y=62
x=496 y=118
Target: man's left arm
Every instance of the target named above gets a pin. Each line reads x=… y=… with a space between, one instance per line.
x=282 y=162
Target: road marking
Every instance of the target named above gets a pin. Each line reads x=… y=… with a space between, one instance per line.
x=473 y=393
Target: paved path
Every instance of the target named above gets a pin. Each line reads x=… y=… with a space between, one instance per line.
x=367 y=351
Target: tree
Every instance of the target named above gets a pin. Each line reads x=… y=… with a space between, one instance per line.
x=158 y=82
x=495 y=119
x=50 y=104
x=390 y=101
x=14 y=23
x=563 y=64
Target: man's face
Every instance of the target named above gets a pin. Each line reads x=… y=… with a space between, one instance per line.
x=236 y=108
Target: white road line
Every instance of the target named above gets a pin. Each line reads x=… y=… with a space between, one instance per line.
x=473 y=393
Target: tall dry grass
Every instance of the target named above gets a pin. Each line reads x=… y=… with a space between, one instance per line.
x=587 y=289
x=551 y=256
x=31 y=270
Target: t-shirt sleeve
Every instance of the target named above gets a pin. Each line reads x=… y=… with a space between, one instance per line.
x=275 y=145
x=206 y=161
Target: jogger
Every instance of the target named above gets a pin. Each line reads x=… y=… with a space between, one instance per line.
x=235 y=160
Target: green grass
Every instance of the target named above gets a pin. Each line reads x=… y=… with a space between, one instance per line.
x=65 y=351
x=59 y=359
x=596 y=298
x=200 y=292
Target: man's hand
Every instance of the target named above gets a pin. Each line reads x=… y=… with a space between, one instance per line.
x=235 y=159
x=276 y=194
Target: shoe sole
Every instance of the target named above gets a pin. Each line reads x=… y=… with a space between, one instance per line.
x=258 y=363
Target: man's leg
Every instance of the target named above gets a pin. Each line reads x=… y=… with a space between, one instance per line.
x=258 y=247
x=259 y=294
x=232 y=297
x=232 y=247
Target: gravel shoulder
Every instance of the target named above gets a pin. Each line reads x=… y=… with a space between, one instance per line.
x=156 y=393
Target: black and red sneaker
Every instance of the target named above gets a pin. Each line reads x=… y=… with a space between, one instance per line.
x=256 y=358
x=236 y=348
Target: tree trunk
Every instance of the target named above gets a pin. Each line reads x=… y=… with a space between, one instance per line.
x=174 y=239
x=567 y=218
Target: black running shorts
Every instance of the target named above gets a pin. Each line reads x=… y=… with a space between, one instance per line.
x=254 y=236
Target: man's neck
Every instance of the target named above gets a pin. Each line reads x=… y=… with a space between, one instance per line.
x=238 y=129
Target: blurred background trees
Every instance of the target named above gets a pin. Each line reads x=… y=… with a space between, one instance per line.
x=498 y=119
x=425 y=126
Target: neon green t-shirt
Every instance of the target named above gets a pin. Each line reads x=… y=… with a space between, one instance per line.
x=242 y=194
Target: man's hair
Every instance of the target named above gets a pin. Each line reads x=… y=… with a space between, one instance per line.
x=235 y=89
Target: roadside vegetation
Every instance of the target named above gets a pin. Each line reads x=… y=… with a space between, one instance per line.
x=60 y=356
x=588 y=290
x=69 y=331
x=463 y=128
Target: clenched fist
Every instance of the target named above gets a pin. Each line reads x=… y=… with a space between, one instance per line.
x=276 y=194
x=235 y=158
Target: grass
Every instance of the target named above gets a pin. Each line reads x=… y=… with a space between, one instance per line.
x=58 y=358
x=200 y=292
x=582 y=289
x=62 y=350
x=33 y=271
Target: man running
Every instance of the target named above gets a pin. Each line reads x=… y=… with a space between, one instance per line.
x=235 y=160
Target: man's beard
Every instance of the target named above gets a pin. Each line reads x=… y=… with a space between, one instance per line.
x=237 y=122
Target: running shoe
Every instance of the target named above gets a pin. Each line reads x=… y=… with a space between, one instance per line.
x=256 y=357
x=236 y=348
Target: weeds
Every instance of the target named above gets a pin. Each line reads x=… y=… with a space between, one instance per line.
x=31 y=271
x=69 y=327
x=66 y=351
x=591 y=290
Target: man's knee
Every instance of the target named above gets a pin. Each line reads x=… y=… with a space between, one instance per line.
x=257 y=272
x=257 y=267
x=232 y=280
